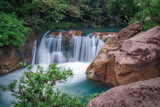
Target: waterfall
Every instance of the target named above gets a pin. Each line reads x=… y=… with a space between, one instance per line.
x=51 y=49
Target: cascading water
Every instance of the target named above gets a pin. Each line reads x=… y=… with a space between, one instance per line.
x=78 y=52
x=53 y=49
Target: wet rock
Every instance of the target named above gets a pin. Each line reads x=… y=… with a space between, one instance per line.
x=70 y=33
x=105 y=36
x=74 y=32
x=57 y=33
x=67 y=35
x=100 y=34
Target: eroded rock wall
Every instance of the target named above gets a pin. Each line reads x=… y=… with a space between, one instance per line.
x=128 y=59
x=11 y=56
x=102 y=68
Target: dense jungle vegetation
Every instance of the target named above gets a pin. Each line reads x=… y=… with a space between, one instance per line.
x=18 y=17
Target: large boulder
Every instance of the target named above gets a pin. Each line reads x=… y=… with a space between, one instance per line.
x=127 y=61
x=11 y=56
x=138 y=58
x=102 y=68
x=130 y=31
x=139 y=94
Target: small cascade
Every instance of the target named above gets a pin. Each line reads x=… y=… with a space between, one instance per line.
x=51 y=49
x=84 y=49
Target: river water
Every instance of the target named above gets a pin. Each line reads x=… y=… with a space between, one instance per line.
x=78 y=56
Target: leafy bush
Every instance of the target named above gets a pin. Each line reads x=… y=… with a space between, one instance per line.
x=12 y=31
x=149 y=13
x=148 y=24
x=37 y=89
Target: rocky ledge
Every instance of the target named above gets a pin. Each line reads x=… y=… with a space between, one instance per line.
x=70 y=33
x=67 y=35
x=105 y=36
x=139 y=94
x=123 y=61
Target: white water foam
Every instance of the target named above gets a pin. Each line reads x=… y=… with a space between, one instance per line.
x=53 y=49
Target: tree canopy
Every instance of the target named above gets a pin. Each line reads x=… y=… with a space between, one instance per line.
x=41 y=15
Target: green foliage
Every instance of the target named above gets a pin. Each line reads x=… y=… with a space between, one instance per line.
x=149 y=13
x=5 y=6
x=37 y=89
x=148 y=24
x=42 y=15
x=12 y=31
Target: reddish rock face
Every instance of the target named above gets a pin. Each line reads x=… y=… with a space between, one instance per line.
x=138 y=94
x=102 y=68
x=105 y=36
x=11 y=57
x=74 y=32
x=127 y=61
x=70 y=33
x=138 y=58
x=100 y=34
x=57 y=33
x=130 y=31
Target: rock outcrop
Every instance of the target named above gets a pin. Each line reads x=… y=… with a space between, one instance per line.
x=130 y=31
x=11 y=56
x=70 y=33
x=102 y=68
x=138 y=58
x=102 y=34
x=74 y=32
x=126 y=61
x=139 y=94
x=105 y=36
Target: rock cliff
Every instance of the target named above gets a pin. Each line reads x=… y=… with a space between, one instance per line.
x=128 y=59
x=102 y=68
x=11 y=56
x=138 y=58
